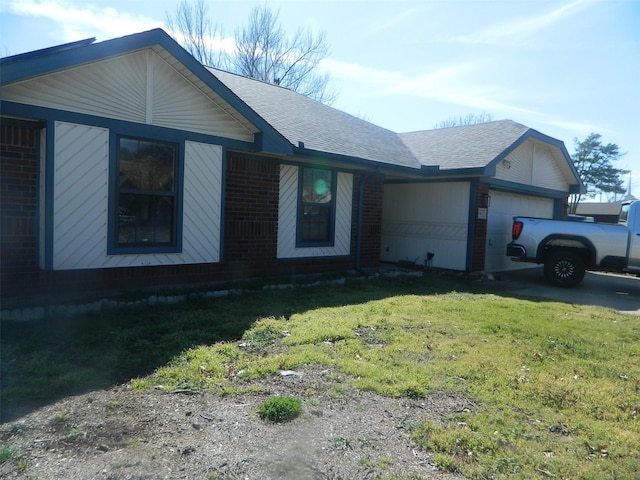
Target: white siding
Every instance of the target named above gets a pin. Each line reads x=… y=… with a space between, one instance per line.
x=287 y=217
x=81 y=203
x=138 y=87
x=504 y=206
x=202 y=203
x=421 y=218
x=532 y=164
x=81 y=186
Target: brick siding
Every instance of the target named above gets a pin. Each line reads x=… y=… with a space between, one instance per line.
x=480 y=230
x=18 y=204
x=249 y=239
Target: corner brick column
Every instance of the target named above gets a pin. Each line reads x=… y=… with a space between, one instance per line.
x=18 y=203
x=479 y=247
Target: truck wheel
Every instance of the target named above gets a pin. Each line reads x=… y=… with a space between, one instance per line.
x=564 y=269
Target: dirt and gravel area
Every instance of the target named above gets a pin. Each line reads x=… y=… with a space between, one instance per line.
x=342 y=433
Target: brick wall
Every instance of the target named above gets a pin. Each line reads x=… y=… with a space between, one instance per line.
x=371 y=220
x=18 y=203
x=251 y=214
x=480 y=230
x=249 y=238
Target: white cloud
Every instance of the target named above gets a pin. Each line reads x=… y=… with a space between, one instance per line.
x=75 y=21
x=453 y=84
x=577 y=126
x=514 y=31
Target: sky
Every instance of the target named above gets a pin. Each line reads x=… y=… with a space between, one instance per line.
x=566 y=68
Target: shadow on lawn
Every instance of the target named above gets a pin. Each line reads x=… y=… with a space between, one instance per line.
x=44 y=361
x=47 y=360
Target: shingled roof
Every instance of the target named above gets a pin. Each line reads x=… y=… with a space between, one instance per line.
x=292 y=123
x=313 y=126
x=469 y=146
x=309 y=123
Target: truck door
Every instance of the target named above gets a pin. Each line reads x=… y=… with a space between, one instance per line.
x=634 y=241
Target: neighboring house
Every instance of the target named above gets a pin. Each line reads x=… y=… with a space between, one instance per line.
x=127 y=164
x=607 y=212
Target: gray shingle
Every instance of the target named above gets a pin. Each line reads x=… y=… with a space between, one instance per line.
x=326 y=129
x=469 y=146
x=318 y=126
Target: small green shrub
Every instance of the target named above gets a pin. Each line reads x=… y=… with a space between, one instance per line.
x=6 y=453
x=280 y=409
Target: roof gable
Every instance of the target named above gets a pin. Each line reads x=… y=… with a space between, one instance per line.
x=138 y=87
x=179 y=69
x=281 y=121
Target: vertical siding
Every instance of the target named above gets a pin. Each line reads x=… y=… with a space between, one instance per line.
x=81 y=179
x=532 y=164
x=202 y=202
x=139 y=87
x=421 y=218
x=546 y=172
x=287 y=217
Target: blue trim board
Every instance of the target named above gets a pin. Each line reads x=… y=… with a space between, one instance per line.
x=118 y=126
x=525 y=189
x=470 y=174
x=330 y=159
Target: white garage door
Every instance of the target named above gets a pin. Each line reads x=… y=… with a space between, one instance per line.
x=502 y=209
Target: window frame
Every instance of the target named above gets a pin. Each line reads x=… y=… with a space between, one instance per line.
x=300 y=243
x=114 y=247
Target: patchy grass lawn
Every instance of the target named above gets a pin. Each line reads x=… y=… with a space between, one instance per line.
x=558 y=385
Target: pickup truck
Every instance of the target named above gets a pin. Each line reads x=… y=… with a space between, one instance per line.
x=567 y=248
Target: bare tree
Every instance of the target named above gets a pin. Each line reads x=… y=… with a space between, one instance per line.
x=470 y=119
x=191 y=26
x=262 y=49
x=265 y=52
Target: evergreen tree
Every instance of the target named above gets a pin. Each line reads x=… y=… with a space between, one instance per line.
x=594 y=163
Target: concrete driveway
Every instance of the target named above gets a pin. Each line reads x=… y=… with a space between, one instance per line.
x=620 y=292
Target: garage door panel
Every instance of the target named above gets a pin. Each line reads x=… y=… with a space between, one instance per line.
x=423 y=218
x=503 y=207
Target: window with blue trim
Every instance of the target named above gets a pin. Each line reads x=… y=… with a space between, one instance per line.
x=146 y=193
x=316 y=207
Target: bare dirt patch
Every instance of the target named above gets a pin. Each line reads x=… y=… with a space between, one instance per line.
x=342 y=433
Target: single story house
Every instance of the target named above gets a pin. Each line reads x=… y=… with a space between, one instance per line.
x=128 y=164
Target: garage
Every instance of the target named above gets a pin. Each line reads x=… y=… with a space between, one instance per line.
x=426 y=224
x=502 y=208
x=479 y=177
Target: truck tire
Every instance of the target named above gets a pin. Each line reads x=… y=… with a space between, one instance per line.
x=564 y=268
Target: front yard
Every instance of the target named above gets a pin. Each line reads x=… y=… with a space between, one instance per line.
x=555 y=388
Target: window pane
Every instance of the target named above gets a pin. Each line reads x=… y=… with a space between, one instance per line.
x=316 y=224
x=316 y=186
x=146 y=166
x=145 y=220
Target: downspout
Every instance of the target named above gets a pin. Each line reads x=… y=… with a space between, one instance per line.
x=359 y=222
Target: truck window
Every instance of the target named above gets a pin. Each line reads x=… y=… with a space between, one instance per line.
x=624 y=214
